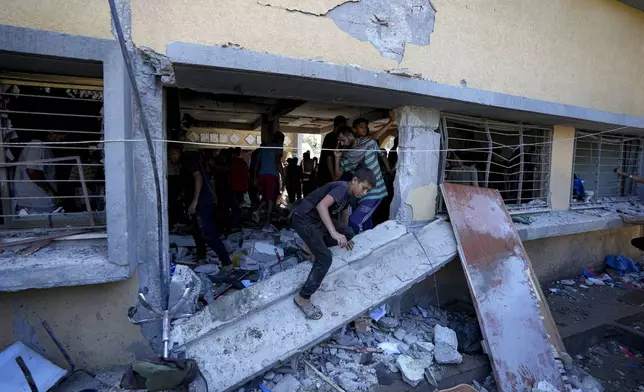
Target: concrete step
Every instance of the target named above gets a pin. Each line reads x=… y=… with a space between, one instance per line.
x=248 y=333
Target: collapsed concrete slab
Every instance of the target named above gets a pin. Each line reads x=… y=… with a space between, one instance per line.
x=247 y=333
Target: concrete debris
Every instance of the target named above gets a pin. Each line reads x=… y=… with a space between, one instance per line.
x=410 y=339
x=162 y=65
x=432 y=377
x=356 y=369
x=207 y=269
x=246 y=325
x=287 y=384
x=400 y=334
x=412 y=372
x=544 y=386
x=446 y=346
x=388 y=323
x=182 y=278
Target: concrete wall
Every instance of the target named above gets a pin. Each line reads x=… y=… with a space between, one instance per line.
x=90 y=18
x=552 y=258
x=586 y=53
x=582 y=52
x=90 y=321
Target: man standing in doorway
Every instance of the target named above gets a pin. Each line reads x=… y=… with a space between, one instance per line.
x=327 y=159
x=269 y=169
x=360 y=153
x=200 y=199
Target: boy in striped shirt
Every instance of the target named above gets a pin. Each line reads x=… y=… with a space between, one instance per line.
x=360 y=152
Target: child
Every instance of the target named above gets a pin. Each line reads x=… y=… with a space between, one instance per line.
x=312 y=221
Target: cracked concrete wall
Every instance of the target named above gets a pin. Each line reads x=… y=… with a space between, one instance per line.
x=551 y=51
x=389 y=25
x=415 y=186
x=90 y=322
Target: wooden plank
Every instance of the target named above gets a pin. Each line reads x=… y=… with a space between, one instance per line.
x=505 y=294
x=35 y=247
x=31 y=240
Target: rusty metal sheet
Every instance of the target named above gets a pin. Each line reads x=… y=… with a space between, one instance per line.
x=504 y=291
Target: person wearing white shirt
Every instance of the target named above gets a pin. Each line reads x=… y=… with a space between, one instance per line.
x=35 y=187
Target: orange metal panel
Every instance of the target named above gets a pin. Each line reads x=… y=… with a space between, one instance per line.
x=498 y=273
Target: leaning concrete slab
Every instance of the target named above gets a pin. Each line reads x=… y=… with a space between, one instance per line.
x=231 y=353
x=231 y=308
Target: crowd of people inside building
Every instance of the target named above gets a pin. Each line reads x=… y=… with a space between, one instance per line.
x=244 y=188
x=348 y=191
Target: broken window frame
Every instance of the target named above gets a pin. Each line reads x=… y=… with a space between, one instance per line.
x=534 y=137
x=83 y=219
x=601 y=167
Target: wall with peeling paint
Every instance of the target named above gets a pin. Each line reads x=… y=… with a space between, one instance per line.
x=550 y=50
x=90 y=321
x=90 y=18
x=587 y=53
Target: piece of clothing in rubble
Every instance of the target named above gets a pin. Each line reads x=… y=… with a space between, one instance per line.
x=204 y=228
x=307 y=223
x=159 y=374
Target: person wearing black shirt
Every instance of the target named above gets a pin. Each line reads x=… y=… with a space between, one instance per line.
x=200 y=199
x=327 y=158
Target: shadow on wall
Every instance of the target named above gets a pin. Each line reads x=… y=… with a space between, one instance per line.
x=90 y=321
x=449 y=283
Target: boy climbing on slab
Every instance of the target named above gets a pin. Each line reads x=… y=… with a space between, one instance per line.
x=313 y=223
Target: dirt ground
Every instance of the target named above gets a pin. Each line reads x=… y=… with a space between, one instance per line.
x=577 y=310
x=612 y=367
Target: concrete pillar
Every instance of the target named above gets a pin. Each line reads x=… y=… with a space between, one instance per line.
x=415 y=187
x=139 y=179
x=561 y=165
x=299 y=153
x=153 y=263
x=269 y=127
x=119 y=174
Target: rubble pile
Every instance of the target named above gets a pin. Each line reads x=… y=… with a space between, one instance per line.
x=256 y=254
x=620 y=272
x=369 y=352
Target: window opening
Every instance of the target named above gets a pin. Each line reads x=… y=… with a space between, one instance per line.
x=512 y=158
x=45 y=183
x=595 y=160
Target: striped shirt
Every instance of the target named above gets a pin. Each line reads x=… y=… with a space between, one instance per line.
x=354 y=159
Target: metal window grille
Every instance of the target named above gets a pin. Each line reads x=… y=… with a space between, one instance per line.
x=513 y=158
x=595 y=159
x=31 y=114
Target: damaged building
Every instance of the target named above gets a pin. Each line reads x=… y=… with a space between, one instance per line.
x=531 y=100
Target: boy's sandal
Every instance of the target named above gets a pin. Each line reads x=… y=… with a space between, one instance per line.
x=311 y=311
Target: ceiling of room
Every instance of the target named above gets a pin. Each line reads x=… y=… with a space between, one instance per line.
x=236 y=112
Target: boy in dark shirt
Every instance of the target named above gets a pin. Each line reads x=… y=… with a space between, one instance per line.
x=200 y=199
x=312 y=222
